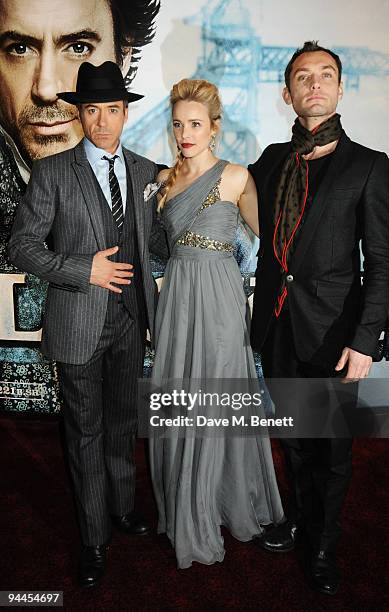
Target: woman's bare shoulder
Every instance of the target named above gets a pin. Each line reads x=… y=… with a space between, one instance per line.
x=236 y=173
x=163 y=175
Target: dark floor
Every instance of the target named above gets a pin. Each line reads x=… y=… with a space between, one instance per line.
x=39 y=540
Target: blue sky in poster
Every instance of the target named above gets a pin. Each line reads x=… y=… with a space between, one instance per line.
x=177 y=48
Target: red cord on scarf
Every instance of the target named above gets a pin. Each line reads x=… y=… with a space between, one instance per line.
x=283 y=262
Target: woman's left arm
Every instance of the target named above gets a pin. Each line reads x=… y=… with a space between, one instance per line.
x=248 y=204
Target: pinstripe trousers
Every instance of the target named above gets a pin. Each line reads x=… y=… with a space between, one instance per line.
x=100 y=416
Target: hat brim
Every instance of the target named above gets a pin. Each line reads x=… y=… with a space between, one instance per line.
x=103 y=95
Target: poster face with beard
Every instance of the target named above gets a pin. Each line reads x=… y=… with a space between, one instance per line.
x=42 y=44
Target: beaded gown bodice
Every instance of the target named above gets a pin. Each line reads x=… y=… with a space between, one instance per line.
x=210 y=224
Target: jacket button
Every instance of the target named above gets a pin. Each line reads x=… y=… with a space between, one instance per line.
x=289 y=278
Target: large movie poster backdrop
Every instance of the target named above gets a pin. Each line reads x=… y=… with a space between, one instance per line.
x=243 y=47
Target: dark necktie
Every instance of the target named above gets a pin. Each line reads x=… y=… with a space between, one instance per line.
x=116 y=197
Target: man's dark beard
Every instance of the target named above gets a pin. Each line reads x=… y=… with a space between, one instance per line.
x=48 y=140
x=46 y=114
x=22 y=135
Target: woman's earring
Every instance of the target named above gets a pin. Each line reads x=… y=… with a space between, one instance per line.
x=212 y=143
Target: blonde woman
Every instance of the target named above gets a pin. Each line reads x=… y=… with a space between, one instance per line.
x=202 y=483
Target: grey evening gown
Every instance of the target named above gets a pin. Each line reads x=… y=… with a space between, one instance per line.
x=201 y=483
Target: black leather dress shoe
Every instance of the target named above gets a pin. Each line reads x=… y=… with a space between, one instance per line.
x=131 y=524
x=278 y=539
x=325 y=573
x=92 y=565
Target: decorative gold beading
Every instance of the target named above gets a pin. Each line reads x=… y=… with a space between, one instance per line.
x=204 y=242
x=212 y=197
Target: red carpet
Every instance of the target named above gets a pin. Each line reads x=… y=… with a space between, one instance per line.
x=39 y=540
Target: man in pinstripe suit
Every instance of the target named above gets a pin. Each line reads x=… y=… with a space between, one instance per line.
x=87 y=204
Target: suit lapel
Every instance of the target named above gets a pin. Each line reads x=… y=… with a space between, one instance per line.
x=90 y=191
x=335 y=169
x=138 y=181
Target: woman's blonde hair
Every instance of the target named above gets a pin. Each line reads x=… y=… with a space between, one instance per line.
x=196 y=90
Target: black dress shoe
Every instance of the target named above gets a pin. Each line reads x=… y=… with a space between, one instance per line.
x=278 y=539
x=92 y=565
x=325 y=573
x=131 y=524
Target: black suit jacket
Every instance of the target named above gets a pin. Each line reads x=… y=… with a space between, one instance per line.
x=329 y=308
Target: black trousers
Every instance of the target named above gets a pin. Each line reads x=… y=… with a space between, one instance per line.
x=319 y=470
x=100 y=416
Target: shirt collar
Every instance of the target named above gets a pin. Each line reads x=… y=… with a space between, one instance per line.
x=94 y=154
x=23 y=167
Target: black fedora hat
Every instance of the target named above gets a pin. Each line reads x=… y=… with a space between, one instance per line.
x=103 y=83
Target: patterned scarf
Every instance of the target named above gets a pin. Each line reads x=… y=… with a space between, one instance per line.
x=292 y=191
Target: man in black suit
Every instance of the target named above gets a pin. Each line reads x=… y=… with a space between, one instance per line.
x=319 y=196
x=88 y=204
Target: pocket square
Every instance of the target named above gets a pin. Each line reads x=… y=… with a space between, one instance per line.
x=150 y=190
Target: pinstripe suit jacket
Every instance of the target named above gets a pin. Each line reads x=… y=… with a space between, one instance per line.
x=60 y=208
